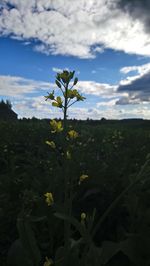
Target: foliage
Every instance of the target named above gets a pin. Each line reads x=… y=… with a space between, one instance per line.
x=5 y=105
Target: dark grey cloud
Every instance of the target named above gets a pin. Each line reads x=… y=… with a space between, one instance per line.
x=138 y=90
x=142 y=83
x=133 y=98
x=123 y=101
x=138 y=9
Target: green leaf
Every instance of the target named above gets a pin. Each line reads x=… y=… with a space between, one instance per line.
x=109 y=249
x=51 y=95
x=17 y=255
x=92 y=257
x=80 y=228
x=28 y=240
x=58 y=83
x=76 y=243
x=71 y=75
x=75 y=81
x=73 y=257
x=136 y=247
x=58 y=76
x=38 y=219
x=59 y=256
x=80 y=97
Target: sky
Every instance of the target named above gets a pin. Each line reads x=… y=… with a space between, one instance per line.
x=106 y=42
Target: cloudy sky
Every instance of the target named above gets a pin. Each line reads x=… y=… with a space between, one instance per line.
x=107 y=43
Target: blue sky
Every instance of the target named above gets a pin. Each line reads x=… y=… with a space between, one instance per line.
x=105 y=42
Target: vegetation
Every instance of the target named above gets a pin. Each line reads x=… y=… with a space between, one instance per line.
x=5 y=105
x=77 y=190
x=6 y=112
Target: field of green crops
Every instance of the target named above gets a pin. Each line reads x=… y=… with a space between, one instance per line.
x=111 y=154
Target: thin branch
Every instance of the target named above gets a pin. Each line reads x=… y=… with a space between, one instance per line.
x=63 y=86
x=62 y=92
x=72 y=103
x=71 y=87
x=68 y=101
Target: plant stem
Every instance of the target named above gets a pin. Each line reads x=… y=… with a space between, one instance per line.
x=65 y=109
x=66 y=223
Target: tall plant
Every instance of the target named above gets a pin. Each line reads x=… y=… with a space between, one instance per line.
x=66 y=82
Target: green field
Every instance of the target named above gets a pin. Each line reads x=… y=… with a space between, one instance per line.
x=111 y=153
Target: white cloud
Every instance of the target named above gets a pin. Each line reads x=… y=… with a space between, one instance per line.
x=142 y=69
x=79 y=28
x=97 y=89
x=112 y=112
x=107 y=103
x=39 y=108
x=57 y=70
x=19 y=86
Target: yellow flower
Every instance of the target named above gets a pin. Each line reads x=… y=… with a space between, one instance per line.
x=82 y=178
x=68 y=155
x=48 y=262
x=49 y=198
x=83 y=217
x=56 y=126
x=51 y=144
x=73 y=134
x=58 y=102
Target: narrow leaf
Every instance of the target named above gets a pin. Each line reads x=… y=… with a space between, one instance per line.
x=58 y=83
x=75 y=81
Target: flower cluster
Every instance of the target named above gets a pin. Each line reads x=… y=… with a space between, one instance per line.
x=51 y=144
x=48 y=262
x=56 y=126
x=73 y=134
x=71 y=94
x=82 y=178
x=49 y=198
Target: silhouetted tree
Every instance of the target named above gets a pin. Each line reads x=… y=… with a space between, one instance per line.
x=6 y=111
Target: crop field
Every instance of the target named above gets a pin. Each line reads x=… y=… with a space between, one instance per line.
x=109 y=174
